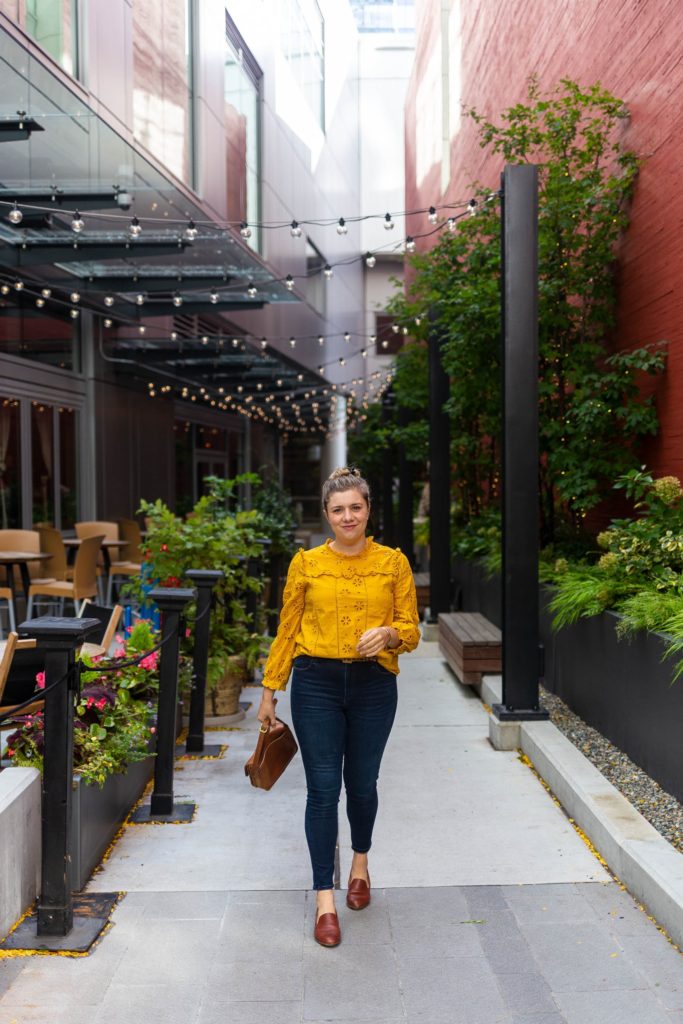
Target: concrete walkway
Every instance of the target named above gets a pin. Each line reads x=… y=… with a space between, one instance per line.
x=488 y=908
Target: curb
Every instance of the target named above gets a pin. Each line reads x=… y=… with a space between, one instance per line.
x=649 y=867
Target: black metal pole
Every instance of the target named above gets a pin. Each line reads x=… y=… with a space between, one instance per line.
x=406 y=540
x=171 y=602
x=59 y=639
x=439 y=479
x=387 y=476
x=520 y=454
x=205 y=580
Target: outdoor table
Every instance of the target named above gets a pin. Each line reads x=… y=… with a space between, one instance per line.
x=21 y=558
x=75 y=542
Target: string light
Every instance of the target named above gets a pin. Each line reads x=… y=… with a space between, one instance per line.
x=191 y=231
x=77 y=223
x=177 y=299
x=451 y=224
x=347 y=337
x=40 y=303
x=321 y=340
x=370 y=260
x=432 y=216
x=292 y=342
x=252 y=290
x=213 y=297
x=15 y=216
x=135 y=228
x=295 y=230
x=108 y=322
x=46 y=292
x=472 y=207
x=289 y=282
x=140 y=300
x=341 y=226
x=410 y=244
x=388 y=222
x=327 y=271
x=245 y=230
x=18 y=285
x=109 y=300
x=74 y=314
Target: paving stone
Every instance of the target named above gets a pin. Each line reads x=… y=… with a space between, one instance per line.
x=151 y=1004
x=46 y=1015
x=249 y=929
x=186 y=906
x=351 y=982
x=9 y=969
x=253 y=980
x=600 y=1007
x=659 y=963
x=168 y=951
x=526 y=993
x=453 y=990
x=543 y=903
x=540 y=1018
x=579 y=957
x=255 y=1012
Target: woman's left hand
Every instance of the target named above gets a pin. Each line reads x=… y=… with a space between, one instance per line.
x=373 y=641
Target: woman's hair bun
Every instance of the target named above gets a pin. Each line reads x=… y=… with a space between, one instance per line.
x=344 y=471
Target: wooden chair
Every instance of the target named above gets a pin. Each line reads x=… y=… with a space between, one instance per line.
x=84 y=583
x=52 y=543
x=24 y=540
x=7 y=595
x=12 y=644
x=129 y=532
x=110 y=619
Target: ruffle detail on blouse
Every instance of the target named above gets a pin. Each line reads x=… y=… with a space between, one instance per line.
x=376 y=561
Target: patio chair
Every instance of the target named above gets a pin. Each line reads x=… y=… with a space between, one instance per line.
x=84 y=583
x=12 y=644
x=24 y=540
x=52 y=543
x=110 y=618
x=6 y=594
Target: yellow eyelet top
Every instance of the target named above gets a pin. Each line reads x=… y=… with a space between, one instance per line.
x=331 y=599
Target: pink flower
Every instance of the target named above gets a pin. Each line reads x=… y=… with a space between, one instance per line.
x=150 y=662
x=119 y=652
x=10 y=751
x=40 y=680
x=188 y=633
x=118 y=638
x=153 y=730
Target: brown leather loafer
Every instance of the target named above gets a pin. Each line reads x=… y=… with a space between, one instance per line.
x=358 y=894
x=327 y=931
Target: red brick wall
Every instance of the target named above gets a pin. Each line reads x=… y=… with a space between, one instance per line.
x=633 y=47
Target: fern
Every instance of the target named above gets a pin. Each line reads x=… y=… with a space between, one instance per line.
x=583 y=592
x=673 y=627
x=648 y=609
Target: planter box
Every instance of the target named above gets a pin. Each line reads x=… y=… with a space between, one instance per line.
x=620 y=687
x=477 y=592
x=97 y=814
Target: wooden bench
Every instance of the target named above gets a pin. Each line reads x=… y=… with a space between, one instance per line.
x=470 y=644
x=422 y=590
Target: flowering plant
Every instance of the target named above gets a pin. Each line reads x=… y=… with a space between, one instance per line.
x=113 y=723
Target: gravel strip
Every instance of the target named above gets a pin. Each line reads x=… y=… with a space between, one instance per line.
x=661 y=809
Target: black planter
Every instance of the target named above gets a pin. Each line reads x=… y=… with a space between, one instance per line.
x=620 y=687
x=97 y=814
x=476 y=591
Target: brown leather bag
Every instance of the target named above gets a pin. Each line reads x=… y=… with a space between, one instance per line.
x=275 y=748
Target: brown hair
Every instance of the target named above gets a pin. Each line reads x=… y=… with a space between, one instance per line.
x=344 y=479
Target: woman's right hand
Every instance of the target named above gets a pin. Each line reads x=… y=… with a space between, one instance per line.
x=266 y=711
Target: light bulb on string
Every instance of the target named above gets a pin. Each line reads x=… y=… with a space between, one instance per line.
x=327 y=271
x=321 y=369
x=46 y=292
x=135 y=228
x=177 y=299
x=432 y=216
x=388 y=222
x=410 y=243
x=15 y=216
x=74 y=314
x=292 y=342
x=472 y=207
x=364 y=353
x=295 y=230
x=289 y=282
x=213 y=297
x=191 y=231
x=235 y=343
x=341 y=226
x=142 y=329
x=18 y=285
x=140 y=299
x=75 y=297
x=347 y=337
x=109 y=300
x=395 y=328
x=418 y=321
x=252 y=290
x=264 y=343
x=451 y=224
x=342 y=361
x=108 y=322
x=385 y=343
x=245 y=230
x=40 y=303
x=370 y=260
x=77 y=223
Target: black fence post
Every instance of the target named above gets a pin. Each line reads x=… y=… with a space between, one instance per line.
x=171 y=601
x=520 y=445
x=58 y=639
x=205 y=580
x=439 y=478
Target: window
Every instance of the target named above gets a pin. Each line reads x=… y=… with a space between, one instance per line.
x=10 y=461
x=163 y=98
x=384 y=15
x=44 y=338
x=242 y=132
x=53 y=24
x=202 y=451
x=303 y=44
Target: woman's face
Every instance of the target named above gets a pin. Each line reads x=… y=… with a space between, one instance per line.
x=347 y=513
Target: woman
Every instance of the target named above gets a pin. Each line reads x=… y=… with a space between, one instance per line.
x=349 y=609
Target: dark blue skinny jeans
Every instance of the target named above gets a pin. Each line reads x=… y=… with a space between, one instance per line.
x=342 y=715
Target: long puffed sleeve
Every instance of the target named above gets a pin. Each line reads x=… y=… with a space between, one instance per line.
x=279 y=663
x=406 y=619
